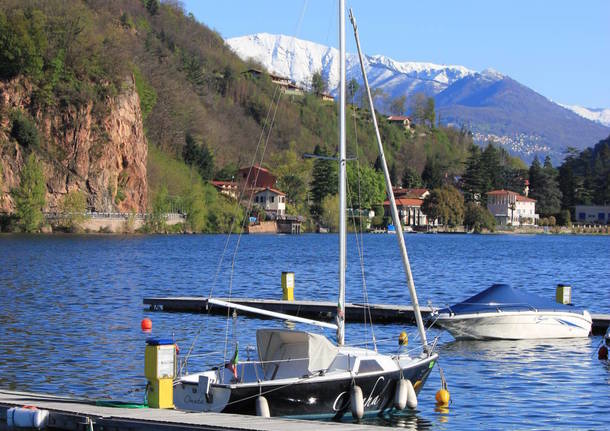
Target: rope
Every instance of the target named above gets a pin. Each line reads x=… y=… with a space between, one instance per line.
x=249 y=207
x=359 y=238
x=233 y=221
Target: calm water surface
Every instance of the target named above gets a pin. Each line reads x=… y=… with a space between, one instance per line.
x=71 y=308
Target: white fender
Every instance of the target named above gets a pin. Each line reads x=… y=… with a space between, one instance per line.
x=411 y=395
x=262 y=407
x=400 y=394
x=357 y=402
x=27 y=418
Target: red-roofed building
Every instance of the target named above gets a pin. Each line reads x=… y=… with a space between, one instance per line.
x=256 y=176
x=409 y=211
x=400 y=120
x=511 y=208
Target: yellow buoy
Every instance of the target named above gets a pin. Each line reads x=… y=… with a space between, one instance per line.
x=443 y=397
x=403 y=339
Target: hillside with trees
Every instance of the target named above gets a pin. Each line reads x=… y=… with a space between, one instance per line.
x=204 y=115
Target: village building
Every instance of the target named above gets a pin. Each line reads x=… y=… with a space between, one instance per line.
x=400 y=120
x=256 y=176
x=287 y=86
x=326 y=97
x=511 y=208
x=272 y=201
x=598 y=214
x=227 y=188
x=409 y=204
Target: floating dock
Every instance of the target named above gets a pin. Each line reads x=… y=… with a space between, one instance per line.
x=82 y=414
x=379 y=313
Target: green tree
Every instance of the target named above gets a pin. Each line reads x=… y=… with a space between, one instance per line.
x=433 y=175
x=196 y=210
x=22 y=43
x=429 y=114
x=24 y=130
x=352 y=89
x=198 y=156
x=445 y=204
x=30 y=195
x=366 y=187
x=477 y=218
x=72 y=209
x=324 y=180
x=473 y=178
x=156 y=220
x=153 y=6
x=544 y=187
x=329 y=216
x=318 y=84
x=411 y=178
x=293 y=175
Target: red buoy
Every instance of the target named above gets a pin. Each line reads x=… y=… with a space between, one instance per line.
x=146 y=325
x=602 y=353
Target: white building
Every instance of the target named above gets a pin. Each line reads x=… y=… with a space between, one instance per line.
x=271 y=200
x=592 y=214
x=510 y=208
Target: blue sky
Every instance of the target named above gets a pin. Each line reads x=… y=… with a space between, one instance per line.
x=559 y=48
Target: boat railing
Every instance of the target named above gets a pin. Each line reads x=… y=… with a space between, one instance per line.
x=499 y=307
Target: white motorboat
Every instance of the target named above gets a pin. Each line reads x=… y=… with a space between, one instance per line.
x=303 y=374
x=502 y=312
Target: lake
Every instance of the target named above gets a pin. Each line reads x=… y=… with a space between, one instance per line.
x=72 y=305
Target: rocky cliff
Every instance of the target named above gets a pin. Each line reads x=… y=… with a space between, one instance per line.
x=97 y=148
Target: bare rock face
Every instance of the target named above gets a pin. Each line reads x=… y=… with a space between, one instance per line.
x=100 y=150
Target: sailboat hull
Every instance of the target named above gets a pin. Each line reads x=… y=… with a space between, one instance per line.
x=320 y=396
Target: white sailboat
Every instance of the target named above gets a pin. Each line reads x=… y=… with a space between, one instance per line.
x=303 y=374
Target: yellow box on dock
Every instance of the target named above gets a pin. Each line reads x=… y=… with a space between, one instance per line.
x=288 y=286
x=159 y=369
x=563 y=294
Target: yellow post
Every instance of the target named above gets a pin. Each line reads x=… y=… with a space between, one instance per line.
x=563 y=294
x=288 y=286
x=159 y=367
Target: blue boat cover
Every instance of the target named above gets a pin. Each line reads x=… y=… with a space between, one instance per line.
x=506 y=298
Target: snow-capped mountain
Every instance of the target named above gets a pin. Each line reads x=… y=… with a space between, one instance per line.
x=599 y=115
x=299 y=59
x=492 y=105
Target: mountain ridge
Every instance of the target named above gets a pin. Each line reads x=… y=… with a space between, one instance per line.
x=535 y=125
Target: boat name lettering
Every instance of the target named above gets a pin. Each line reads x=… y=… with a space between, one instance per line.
x=375 y=400
x=189 y=399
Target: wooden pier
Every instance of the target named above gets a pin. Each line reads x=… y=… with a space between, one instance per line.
x=82 y=414
x=379 y=313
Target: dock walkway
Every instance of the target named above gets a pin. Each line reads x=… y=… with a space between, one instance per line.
x=379 y=313
x=78 y=414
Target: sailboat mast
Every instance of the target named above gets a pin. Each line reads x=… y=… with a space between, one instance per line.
x=342 y=180
x=394 y=210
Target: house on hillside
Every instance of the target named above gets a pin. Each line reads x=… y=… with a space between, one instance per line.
x=287 y=86
x=272 y=201
x=326 y=97
x=511 y=208
x=256 y=176
x=400 y=120
x=592 y=214
x=227 y=188
x=409 y=204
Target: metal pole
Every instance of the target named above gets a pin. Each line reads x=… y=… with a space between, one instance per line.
x=342 y=178
x=394 y=210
